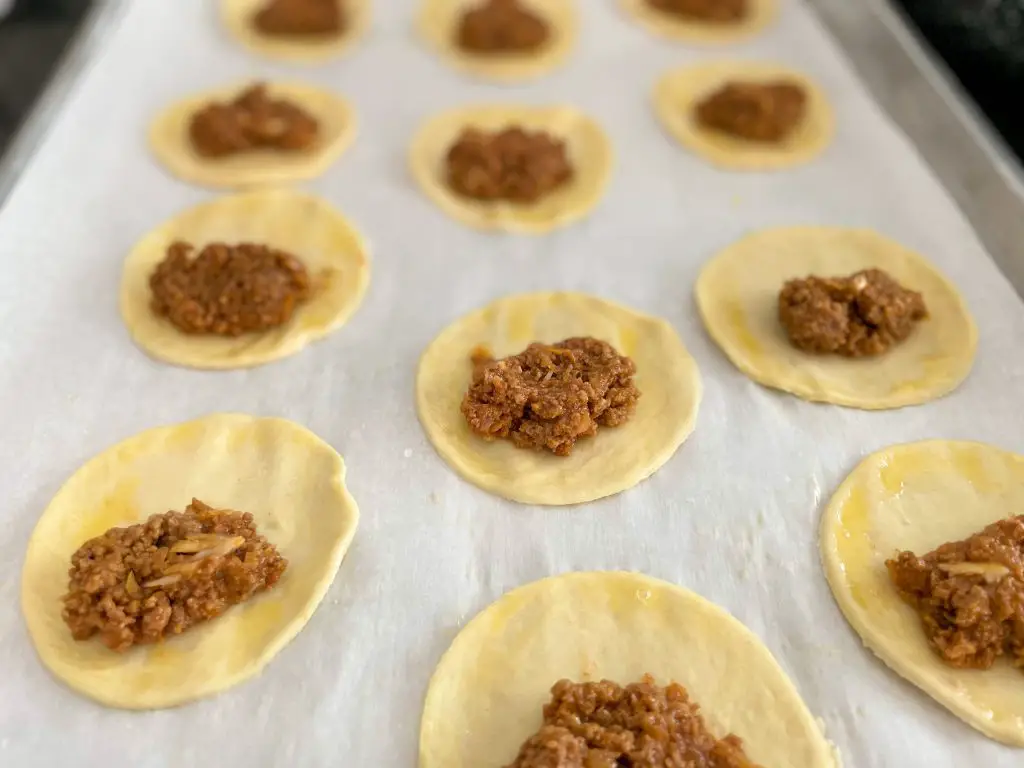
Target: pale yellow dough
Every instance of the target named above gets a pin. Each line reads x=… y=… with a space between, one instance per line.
x=438 y=23
x=170 y=142
x=588 y=148
x=915 y=497
x=334 y=253
x=486 y=696
x=737 y=295
x=616 y=458
x=762 y=14
x=292 y=482
x=678 y=92
x=238 y=15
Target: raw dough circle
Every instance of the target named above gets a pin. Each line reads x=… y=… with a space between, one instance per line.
x=438 y=21
x=916 y=497
x=237 y=16
x=588 y=148
x=291 y=481
x=762 y=13
x=485 y=697
x=170 y=142
x=616 y=458
x=678 y=92
x=737 y=295
x=333 y=251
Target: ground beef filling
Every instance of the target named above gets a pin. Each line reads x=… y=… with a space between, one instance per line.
x=501 y=26
x=711 y=11
x=970 y=595
x=603 y=725
x=513 y=164
x=763 y=112
x=300 y=18
x=857 y=316
x=551 y=395
x=228 y=290
x=140 y=584
x=251 y=121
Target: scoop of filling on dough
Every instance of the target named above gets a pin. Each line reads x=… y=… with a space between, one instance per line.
x=603 y=725
x=711 y=11
x=762 y=112
x=140 y=584
x=512 y=164
x=969 y=595
x=251 y=121
x=300 y=18
x=861 y=315
x=228 y=290
x=501 y=26
x=551 y=395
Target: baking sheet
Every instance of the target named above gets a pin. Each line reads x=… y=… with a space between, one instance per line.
x=733 y=515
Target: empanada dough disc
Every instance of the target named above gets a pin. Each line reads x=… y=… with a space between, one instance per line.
x=616 y=458
x=737 y=295
x=762 y=13
x=292 y=483
x=438 y=22
x=678 y=92
x=588 y=148
x=170 y=142
x=485 y=697
x=335 y=255
x=237 y=16
x=916 y=497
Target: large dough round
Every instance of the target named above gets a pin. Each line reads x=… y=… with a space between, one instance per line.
x=334 y=253
x=678 y=92
x=292 y=482
x=238 y=14
x=170 y=142
x=737 y=295
x=438 y=22
x=589 y=151
x=762 y=13
x=485 y=697
x=916 y=497
x=616 y=458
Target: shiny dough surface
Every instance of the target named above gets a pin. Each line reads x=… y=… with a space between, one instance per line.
x=616 y=458
x=237 y=16
x=438 y=23
x=292 y=483
x=737 y=295
x=335 y=255
x=588 y=148
x=170 y=142
x=762 y=14
x=485 y=697
x=916 y=497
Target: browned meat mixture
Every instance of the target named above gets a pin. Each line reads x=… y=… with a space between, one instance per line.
x=551 y=395
x=251 y=121
x=228 y=290
x=603 y=725
x=140 y=584
x=513 y=164
x=857 y=316
x=305 y=18
x=970 y=595
x=765 y=112
x=501 y=26
x=712 y=11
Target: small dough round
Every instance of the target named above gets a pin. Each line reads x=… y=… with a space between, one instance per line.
x=616 y=458
x=438 y=22
x=170 y=142
x=762 y=14
x=678 y=92
x=737 y=295
x=238 y=14
x=485 y=697
x=588 y=148
x=335 y=255
x=916 y=497
x=291 y=481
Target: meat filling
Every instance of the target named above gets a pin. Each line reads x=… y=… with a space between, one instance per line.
x=300 y=18
x=762 y=112
x=551 y=395
x=858 y=316
x=501 y=26
x=711 y=11
x=140 y=584
x=970 y=595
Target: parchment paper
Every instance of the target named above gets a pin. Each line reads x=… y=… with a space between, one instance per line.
x=733 y=515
